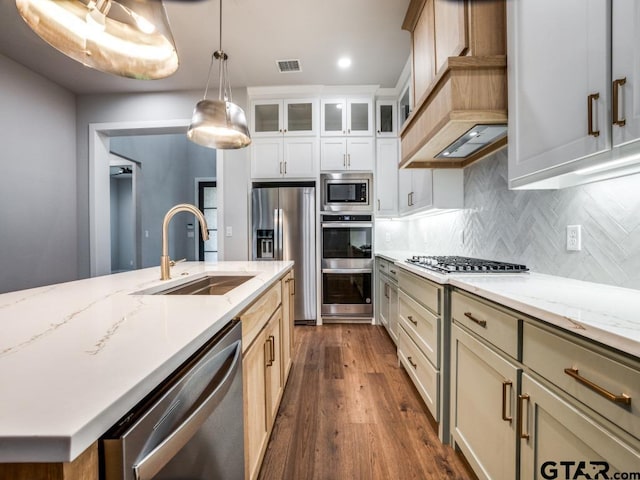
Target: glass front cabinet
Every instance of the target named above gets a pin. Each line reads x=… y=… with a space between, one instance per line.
x=292 y=117
x=347 y=116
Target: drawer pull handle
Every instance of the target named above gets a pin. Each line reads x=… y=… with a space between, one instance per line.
x=267 y=347
x=590 y=99
x=414 y=365
x=410 y=317
x=505 y=384
x=273 y=349
x=521 y=399
x=482 y=323
x=393 y=271
x=621 y=122
x=623 y=398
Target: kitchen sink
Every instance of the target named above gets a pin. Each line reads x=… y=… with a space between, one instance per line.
x=207 y=285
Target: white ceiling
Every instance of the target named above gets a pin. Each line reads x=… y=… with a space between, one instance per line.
x=256 y=33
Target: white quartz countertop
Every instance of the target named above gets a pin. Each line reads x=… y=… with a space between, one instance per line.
x=75 y=357
x=604 y=313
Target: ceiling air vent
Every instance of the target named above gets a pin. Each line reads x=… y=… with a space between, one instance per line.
x=288 y=66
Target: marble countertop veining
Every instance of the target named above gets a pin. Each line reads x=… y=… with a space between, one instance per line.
x=604 y=313
x=76 y=356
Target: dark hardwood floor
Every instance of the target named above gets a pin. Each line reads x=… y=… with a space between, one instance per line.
x=349 y=412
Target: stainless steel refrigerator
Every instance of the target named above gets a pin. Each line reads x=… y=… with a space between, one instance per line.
x=283 y=227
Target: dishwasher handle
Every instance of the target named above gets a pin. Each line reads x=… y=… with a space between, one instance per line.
x=160 y=455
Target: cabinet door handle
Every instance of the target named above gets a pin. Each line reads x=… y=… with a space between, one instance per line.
x=590 y=100
x=521 y=400
x=505 y=384
x=393 y=271
x=616 y=90
x=348 y=130
x=280 y=168
x=285 y=168
x=344 y=160
x=410 y=360
x=482 y=323
x=623 y=398
x=378 y=204
x=415 y=322
x=349 y=160
x=267 y=347
x=273 y=348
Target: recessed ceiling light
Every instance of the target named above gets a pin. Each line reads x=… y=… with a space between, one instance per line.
x=344 y=62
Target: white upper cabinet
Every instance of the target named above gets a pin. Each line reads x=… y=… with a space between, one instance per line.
x=295 y=157
x=625 y=71
x=339 y=154
x=290 y=117
x=425 y=189
x=351 y=116
x=386 y=177
x=559 y=93
x=386 y=118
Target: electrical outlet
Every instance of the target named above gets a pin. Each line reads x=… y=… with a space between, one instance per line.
x=228 y=232
x=574 y=238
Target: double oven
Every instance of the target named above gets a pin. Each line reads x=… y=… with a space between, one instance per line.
x=347 y=253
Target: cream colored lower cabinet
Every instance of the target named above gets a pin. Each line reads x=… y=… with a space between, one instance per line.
x=531 y=401
x=558 y=440
x=419 y=303
x=387 y=297
x=483 y=417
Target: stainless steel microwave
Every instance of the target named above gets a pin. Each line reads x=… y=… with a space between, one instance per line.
x=344 y=192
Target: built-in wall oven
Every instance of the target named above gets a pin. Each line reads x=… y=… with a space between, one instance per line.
x=347 y=266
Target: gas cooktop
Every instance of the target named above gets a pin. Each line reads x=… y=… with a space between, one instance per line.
x=452 y=264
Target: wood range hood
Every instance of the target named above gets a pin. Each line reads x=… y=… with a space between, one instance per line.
x=459 y=83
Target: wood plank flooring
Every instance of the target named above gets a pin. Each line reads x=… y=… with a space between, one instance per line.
x=349 y=412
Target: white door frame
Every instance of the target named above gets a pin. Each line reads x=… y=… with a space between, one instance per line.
x=99 y=207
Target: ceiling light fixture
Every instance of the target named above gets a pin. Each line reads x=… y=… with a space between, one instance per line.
x=219 y=123
x=130 y=38
x=344 y=62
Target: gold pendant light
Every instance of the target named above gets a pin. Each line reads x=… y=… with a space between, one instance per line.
x=219 y=123
x=130 y=38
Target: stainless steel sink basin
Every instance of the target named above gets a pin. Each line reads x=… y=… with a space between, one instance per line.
x=209 y=285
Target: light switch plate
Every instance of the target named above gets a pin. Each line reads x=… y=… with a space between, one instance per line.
x=574 y=238
x=228 y=232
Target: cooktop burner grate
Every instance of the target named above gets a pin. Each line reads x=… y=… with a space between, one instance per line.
x=453 y=264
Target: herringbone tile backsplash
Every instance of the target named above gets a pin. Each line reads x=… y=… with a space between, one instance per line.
x=530 y=226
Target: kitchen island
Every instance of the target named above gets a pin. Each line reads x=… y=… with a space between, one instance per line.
x=75 y=357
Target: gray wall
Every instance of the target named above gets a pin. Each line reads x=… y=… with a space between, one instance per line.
x=122 y=234
x=530 y=226
x=169 y=166
x=157 y=107
x=38 y=224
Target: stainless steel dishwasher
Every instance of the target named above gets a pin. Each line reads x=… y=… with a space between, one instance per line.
x=189 y=428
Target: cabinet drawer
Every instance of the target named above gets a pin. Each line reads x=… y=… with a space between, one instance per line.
x=256 y=316
x=383 y=266
x=550 y=354
x=421 y=325
x=495 y=326
x=424 y=376
x=427 y=293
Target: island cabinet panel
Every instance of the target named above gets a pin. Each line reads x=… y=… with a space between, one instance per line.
x=253 y=320
x=85 y=467
x=266 y=364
